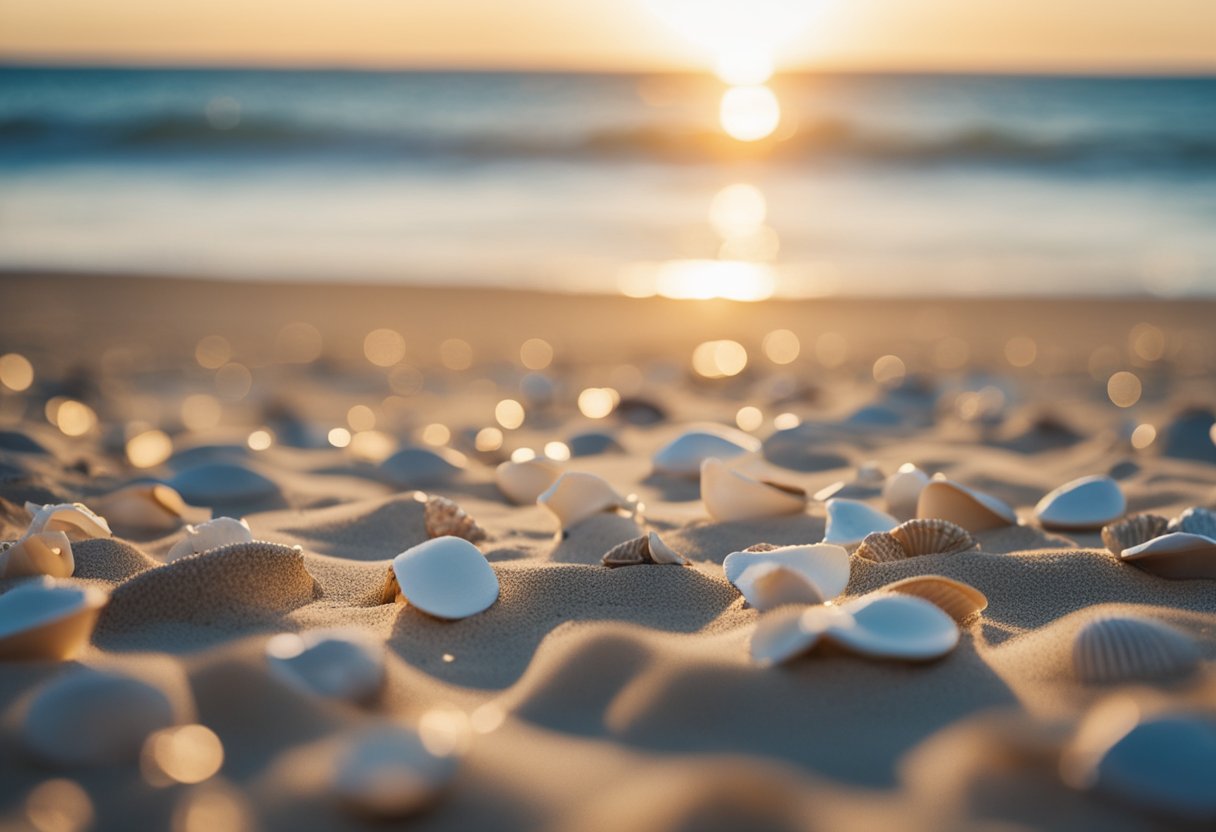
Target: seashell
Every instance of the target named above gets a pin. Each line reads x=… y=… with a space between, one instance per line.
x=682 y=457
x=1132 y=531
x=920 y=536
x=147 y=506
x=960 y=601
x=413 y=466
x=881 y=547
x=388 y=772
x=779 y=635
x=593 y=443
x=45 y=553
x=443 y=517
x=346 y=664
x=648 y=548
x=222 y=531
x=523 y=482
x=973 y=510
x=446 y=577
x=46 y=619
x=1085 y=503
x=1124 y=648
x=902 y=489
x=1177 y=555
x=824 y=565
x=1197 y=520
x=576 y=496
x=761 y=547
x=91 y=718
x=73 y=519
x=849 y=521
x=221 y=482
x=769 y=584
x=730 y=495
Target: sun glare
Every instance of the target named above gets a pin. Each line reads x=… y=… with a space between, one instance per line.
x=749 y=113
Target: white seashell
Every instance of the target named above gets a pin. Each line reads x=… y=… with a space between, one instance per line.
x=849 y=521
x=346 y=664
x=1125 y=648
x=73 y=519
x=92 y=718
x=682 y=457
x=768 y=585
x=148 y=506
x=388 y=772
x=1085 y=503
x=1132 y=531
x=973 y=510
x=523 y=482
x=823 y=565
x=222 y=531
x=648 y=548
x=960 y=601
x=444 y=517
x=446 y=577
x=576 y=496
x=45 y=619
x=730 y=495
x=45 y=553
x=779 y=635
x=902 y=489
x=1197 y=520
x=1177 y=555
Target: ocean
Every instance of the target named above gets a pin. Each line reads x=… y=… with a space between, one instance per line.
x=871 y=184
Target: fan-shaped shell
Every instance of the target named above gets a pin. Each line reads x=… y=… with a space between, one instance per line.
x=1197 y=520
x=882 y=547
x=932 y=536
x=958 y=600
x=45 y=553
x=648 y=548
x=730 y=495
x=1124 y=648
x=849 y=521
x=1132 y=531
x=443 y=517
x=973 y=510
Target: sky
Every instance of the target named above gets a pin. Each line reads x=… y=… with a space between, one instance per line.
x=954 y=35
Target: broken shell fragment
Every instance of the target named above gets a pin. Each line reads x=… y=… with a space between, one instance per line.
x=345 y=664
x=648 y=548
x=222 y=531
x=1177 y=555
x=1132 y=531
x=1085 y=503
x=849 y=521
x=902 y=489
x=769 y=584
x=75 y=520
x=446 y=577
x=576 y=496
x=683 y=456
x=523 y=482
x=45 y=553
x=729 y=495
x=153 y=506
x=823 y=566
x=46 y=619
x=960 y=601
x=920 y=536
x=1124 y=648
x=388 y=772
x=973 y=510
x=444 y=517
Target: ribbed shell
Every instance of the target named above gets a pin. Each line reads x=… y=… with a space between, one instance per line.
x=882 y=547
x=1113 y=649
x=445 y=517
x=1196 y=521
x=1132 y=531
x=629 y=553
x=958 y=600
x=932 y=536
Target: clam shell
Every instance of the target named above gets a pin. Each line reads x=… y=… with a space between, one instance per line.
x=523 y=482
x=1124 y=648
x=45 y=619
x=682 y=456
x=45 y=553
x=153 y=506
x=902 y=489
x=388 y=772
x=729 y=495
x=882 y=547
x=221 y=531
x=824 y=565
x=930 y=536
x=73 y=519
x=576 y=496
x=1132 y=531
x=1197 y=520
x=1085 y=503
x=648 y=548
x=345 y=664
x=973 y=510
x=768 y=585
x=960 y=601
x=446 y=577
x=1177 y=555
x=444 y=517
x=849 y=521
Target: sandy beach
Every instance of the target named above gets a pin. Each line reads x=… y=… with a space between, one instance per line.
x=584 y=697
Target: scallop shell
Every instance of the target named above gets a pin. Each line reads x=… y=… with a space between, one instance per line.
x=1124 y=648
x=648 y=548
x=1132 y=531
x=46 y=619
x=769 y=584
x=730 y=495
x=345 y=664
x=930 y=536
x=147 y=506
x=46 y=553
x=1085 y=503
x=1178 y=555
x=882 y=547
x=960 y=601
x=849 y=521
x=221 y=531
x=446 y=577
x=973 y=510
x=683 y=456
x=1197 y=520
x=902 y=489
x=523 y=482
x=824 y=565
x=388 y=772
x=444 y=517
x=73 y=519
x=576 y=496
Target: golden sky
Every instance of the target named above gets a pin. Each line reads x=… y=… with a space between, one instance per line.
x=1084 y=35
